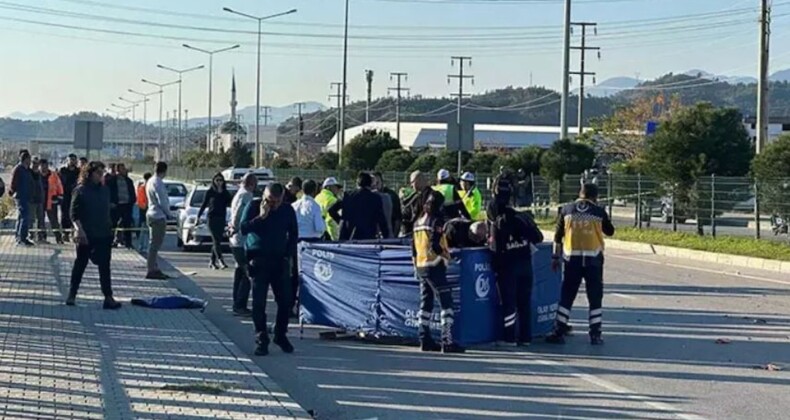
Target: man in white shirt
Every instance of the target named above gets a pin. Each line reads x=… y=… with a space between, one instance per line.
x=156 y=217
x=241 y=280
x=311 y=225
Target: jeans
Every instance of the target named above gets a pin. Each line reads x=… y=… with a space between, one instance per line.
x=158 y=228
x=99 y=251
x=123 y=220
x=267 y=271
x=241 y=279
x=216 y=226
x=23 y=220
x=52 y=216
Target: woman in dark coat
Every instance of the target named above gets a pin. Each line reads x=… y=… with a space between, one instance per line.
x=217 y=201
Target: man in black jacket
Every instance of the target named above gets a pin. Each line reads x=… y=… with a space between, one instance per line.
x=122 y=199
x=361 y=213
x=412 y=205
x=69 y=175
x=397 y=213
x=512 y=236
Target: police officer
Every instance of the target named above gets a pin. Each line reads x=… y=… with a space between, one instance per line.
x=579 y=243
x=512 y=233
x=453 y=204
x=431 y=256
x=470 y=196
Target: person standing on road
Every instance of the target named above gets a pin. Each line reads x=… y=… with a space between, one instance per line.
x=217 y=200
x=142 y=209
x=413 y=204
x=90 y=213
x=512 y=238
x=53 y=195
x=156 y=217
x=453 y=204
x=361 y=212
x=471 y=197
x=311 y=229
x=431 y=256
x=579 y=242
x=122 y=197
x=293 y=191
x=270 y=245
x=241 y=279
x=69 y=175
x=37 y=202
x=21 y=188
x=397 y=212
x=330 y=194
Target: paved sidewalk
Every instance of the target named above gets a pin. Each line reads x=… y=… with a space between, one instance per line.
x=85 y=362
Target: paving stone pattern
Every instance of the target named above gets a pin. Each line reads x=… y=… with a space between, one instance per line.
x=84 y=362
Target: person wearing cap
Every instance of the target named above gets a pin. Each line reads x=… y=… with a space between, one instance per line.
x=579 y=244
x=329 y=195
x=470 y=196
x=512 y=237
x=453 y=204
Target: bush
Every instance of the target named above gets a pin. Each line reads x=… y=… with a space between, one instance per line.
x=772 y=170
x=396 y=160
x=426 y=162
x=566 y=157
x=526 y=159
x=482 y=163
x=281 y=163
x=364 y=151
x=326 y=161
x=449 y=160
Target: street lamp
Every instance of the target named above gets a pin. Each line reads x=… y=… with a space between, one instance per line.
x=145 y=113
x=161 y=87
x=180 y=84
x=116 y=112
x=134 y=105
x=210 y=77
x=126 y=110
x=258 y=72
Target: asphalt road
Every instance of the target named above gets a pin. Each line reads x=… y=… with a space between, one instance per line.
x=661 y=360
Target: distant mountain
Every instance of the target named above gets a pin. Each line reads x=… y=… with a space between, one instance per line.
x=613 y=86
x=781 y=76
x=733 y=80
x=35 y=116
x=277 y=115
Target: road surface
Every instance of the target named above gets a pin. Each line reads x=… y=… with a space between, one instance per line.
x=661 y=360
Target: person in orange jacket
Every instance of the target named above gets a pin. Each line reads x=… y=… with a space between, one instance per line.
x=53 y=195
x=142 y=208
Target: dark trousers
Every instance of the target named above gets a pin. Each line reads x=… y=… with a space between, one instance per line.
x=433 y=282
x=514 y=280
x=576 y=270
x=65 y=215
x=52 y=216
x=241 y=279
x=272 y=271
x=23 y=221
x=39 y=214
x=216 y=226
x=98 y=251
x=122 y=219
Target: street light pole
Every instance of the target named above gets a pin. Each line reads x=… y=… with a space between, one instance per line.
x=126 y=110
x=161 y=93
x=180 y=84
x=145 y=109
x=210 y=54
x=260 y=19
x=134 y=105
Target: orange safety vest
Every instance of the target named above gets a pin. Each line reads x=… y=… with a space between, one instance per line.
x=142 y=199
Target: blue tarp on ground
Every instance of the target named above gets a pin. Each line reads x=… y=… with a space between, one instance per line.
x=371 y=288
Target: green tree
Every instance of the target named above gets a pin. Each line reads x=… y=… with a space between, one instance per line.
x=566 y=157
x=449 y=160
x=326 y=161
x=396 y=160
x=526 y=159
x=364 y=150
x=426 y=162
x=281 y=163
x=482 y=162
x=240 y=156
x=771 y=168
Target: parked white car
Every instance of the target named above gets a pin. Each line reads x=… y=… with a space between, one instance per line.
x=176 y=194
x=193 y=233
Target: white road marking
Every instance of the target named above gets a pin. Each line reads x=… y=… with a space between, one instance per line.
x=632 y=395
x=705 y=270
x=620 y=295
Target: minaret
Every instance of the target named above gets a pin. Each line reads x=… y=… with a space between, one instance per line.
x=233 y=102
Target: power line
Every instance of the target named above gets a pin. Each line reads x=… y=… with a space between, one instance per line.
x=461 y=77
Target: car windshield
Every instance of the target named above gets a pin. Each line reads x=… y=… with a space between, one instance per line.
x=199 y=195
x=176 y=190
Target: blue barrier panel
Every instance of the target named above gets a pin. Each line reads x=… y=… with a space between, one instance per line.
x=480 y=309
x=339 y=285
x=545 y=291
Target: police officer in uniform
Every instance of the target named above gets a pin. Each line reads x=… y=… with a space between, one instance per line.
x=471 y=197
x=453 y=204
x=579 y=243
x=431 y=255
x=512 y=235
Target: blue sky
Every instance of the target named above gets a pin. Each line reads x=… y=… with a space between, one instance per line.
x=63 y=69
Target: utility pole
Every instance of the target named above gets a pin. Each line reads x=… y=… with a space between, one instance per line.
x=299 y=132
x=566 y=67
x=344 y=99
x=339 y=97
x=763 y=83
x=266 y=115
x=582 y=73
x=369 y=80
x=398 y=90
x=460 y=95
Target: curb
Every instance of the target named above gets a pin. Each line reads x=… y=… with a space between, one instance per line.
x=694 y=255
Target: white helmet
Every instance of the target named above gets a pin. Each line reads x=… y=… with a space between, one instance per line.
x=468 y=176
x=330 y=182
x=443 y=175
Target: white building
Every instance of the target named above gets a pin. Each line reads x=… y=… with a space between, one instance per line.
x=777 y=126
x=415 y=136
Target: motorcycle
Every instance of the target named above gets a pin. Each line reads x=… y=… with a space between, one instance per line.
x=779 y=225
